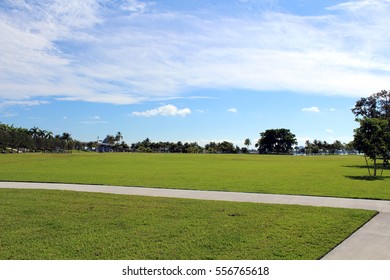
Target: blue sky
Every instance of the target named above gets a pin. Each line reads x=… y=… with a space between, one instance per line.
x=191 y=70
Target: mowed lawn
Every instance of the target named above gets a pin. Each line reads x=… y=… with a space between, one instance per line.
x=41 y=224
x=339 y=176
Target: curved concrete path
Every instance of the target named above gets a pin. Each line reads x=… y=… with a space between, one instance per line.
x=371 y=242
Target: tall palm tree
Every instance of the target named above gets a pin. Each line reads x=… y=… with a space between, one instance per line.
x=66 y=136
x=69 y=141
x=36 y=135
x=35 y=132
x=247 y=143
x=48 y=134
x=118 y=137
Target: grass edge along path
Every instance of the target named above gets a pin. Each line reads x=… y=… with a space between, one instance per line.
x=42 y=224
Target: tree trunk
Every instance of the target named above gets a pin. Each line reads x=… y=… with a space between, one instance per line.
x=384 y=163
x=368 y=167
x=374 y=167
x=383 y=167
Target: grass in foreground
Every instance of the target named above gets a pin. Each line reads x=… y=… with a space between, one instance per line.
x=340 y=176
x=74 y=225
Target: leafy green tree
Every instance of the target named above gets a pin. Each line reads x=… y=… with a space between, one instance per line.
x=146 y=143
x=193 y=148
x=373 y=114
x=212 y=147
x=375 y=106
x=313 y=148
x=110 y=139
x=178 y=147
x=226 y=147
x=373 y=138
x=336 y=146
x=23 y=139
x=279 y=141
x=5 y=136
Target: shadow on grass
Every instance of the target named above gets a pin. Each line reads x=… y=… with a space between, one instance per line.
x=368 y=178
x=356 y=166
x=380 y=169
x=387 y=167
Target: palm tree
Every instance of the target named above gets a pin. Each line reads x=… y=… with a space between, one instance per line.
x=34 y=132
x=66 y=136
x=69 y=141
x=118 y=137
x=247 y=143
x=37 y=136
x=48 y=134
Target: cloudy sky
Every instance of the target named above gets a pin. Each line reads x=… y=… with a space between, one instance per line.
x=191 y=70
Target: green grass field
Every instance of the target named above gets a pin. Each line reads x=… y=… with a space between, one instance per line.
x=339 y=176
x=38 y=224
x=74 y=225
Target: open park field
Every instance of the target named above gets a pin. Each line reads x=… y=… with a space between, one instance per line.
x=38 y=224
x=337 y=176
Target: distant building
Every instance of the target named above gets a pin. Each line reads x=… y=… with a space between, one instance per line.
x=104 y=147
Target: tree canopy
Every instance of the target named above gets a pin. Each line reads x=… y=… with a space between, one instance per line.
x=279 y=141
x=375 y=106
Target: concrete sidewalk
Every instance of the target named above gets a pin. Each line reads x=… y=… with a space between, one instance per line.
x=372 y=241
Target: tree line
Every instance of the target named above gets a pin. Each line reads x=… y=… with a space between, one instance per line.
x=147 y=146
x=282 y=141
x=180 y=147
x=322 y=147
x=272 y=141
x=17 y=139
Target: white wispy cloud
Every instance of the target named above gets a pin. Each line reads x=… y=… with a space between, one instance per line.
x=167 y=110
x=8 y=114
x=134 y=6
x=313 y=109
x=94 y=120
x=356 y=6
x=23 y=103
x=233 y=110
x=118 y=52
